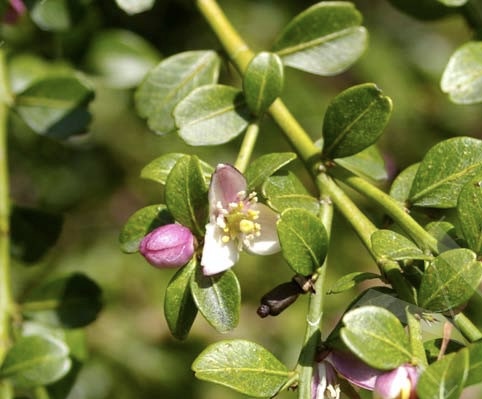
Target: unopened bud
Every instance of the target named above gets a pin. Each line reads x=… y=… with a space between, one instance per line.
x=171 y=245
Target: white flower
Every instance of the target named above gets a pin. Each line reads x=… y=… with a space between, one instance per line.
x=237 y=221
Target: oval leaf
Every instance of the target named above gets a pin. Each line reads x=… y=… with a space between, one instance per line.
x=348 y=281
x=450 y=280
x=211 y=115
x=394 y=246
x=475 y=370
x=179 y=307
x=36 y=360
x=132 y=7
x=354 y=120
x=286 y=191
x=56 y=107
x=325 y=39
x=469 y=211
x=158 y=169
x=169 y=82
x=462 y=78
x=445 y=378
x=120 y=57
x=367 y=163
x=303 y=239
x=264 y=166
x=444 y=170
x=376 y=336
x=68 y=302
x=142 y=222
x=263 y=81
x=401 y=186
x=186 y=194
x=243 y=366
x=218 y=298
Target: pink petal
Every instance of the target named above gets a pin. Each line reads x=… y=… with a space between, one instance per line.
x=226 y=183
x=217 y=256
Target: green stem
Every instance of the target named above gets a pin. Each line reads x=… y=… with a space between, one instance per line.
x=41 y=393
x=5 y=280
x=313 y=320
x=6 y=389
x=247 y=147
x=396 y=212
x=471 y=332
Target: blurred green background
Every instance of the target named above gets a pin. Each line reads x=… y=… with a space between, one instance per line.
x=94 y=181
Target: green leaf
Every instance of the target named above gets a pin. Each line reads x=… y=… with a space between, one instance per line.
x=376 y=336
x=211 y=115
x=475 y=369
x=264 y=166
x=33 y=232
x=243 y=366
x=303 y=239
x=401 y=186
x=325 y=39
x=218 y=298
x=68 y=302
x=453 y=3
x=285 y=191
x=367 y=163
x=121 y=58
x=462 y=78
x=444 y=170
x=158 y=169
x=36 y=360
x=132 y=7
x=469 y=212
x=56 y=107
x=169 y=82
x=394 y=246
x=354 y=120
x=263 y=81
x=179 y=307
x=52 y=15
x=416 y=340
x=445 y=378
x=450 y=280
x=140 y=224
x=186 y=194
x=348 y=281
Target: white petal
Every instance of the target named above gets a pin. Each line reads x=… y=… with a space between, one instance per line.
x=217 y=256
x=226 y=183
x=268 y=242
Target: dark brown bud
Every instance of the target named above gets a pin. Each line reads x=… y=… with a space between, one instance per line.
x=279 y=298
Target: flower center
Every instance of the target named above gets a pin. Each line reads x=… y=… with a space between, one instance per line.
x=238 y=221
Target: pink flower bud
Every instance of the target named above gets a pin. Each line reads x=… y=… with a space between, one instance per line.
x=171 y=245
x=14 y=11
x=398 y=383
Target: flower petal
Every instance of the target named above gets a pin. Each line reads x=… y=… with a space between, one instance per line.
x=226 y=183
x=268 y=242
x=217 y=255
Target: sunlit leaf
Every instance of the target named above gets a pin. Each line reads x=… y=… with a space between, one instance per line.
x=469 y=211
x=135 y=6
x=348 y=281
x=367 y=163
x=394 y=246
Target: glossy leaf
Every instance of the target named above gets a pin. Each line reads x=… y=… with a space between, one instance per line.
x=36 y=360
x=179 y=307
x=211 y=115
x=186 y=194
x=416 y=339
x=264 y=166
x=469 y=212
x=135 y=6
x=367 y=163
x=121 y=58
x=450 y=280
x=286 y=191
x=158 y=169
x=462 y=78
x=142 y=222
x=169 y=82
x=68 y=302
x=263 y=81
x=445 y=378
x=444 y=170
x=376 y=336
x=56 y=107
x=354 y=120
x=33 y=232
x=325 y=39
x=303 y=239
x=401 y=186
x=475 y=369
x=243 y=366
x=349 y=281
x=218 y=298
x=394 y=246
